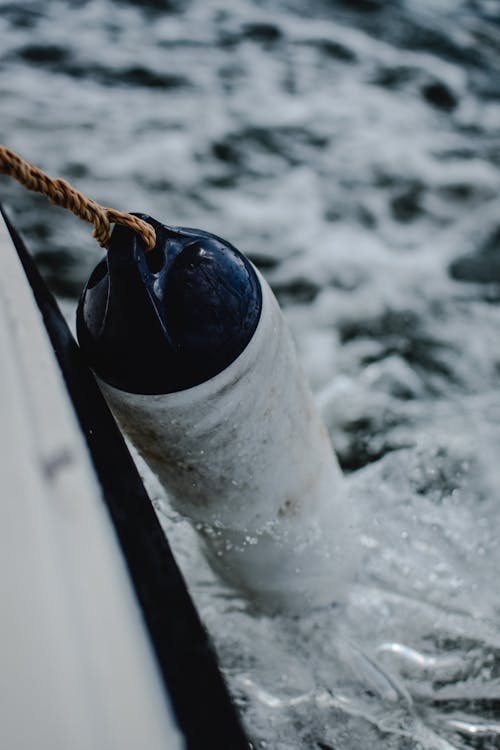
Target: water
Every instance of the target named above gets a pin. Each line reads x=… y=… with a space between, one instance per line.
x=352 y=149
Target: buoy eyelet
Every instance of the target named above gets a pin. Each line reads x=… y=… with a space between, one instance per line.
x=155 y=259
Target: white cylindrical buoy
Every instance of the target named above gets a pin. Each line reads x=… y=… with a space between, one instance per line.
x=242 y=453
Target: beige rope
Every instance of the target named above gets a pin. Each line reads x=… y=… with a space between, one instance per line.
x=62 y=194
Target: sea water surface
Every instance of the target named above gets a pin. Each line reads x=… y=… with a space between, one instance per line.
x=352 y=150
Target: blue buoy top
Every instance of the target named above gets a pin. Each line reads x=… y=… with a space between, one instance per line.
x=169 y=319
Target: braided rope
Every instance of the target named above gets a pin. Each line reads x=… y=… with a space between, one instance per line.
x=60 y=193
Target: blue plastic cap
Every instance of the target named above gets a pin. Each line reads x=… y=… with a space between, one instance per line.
x=170 y=319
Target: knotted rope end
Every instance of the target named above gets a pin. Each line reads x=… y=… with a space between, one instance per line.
x=60 y=193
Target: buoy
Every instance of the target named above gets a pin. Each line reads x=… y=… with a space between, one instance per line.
x=192 y=352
